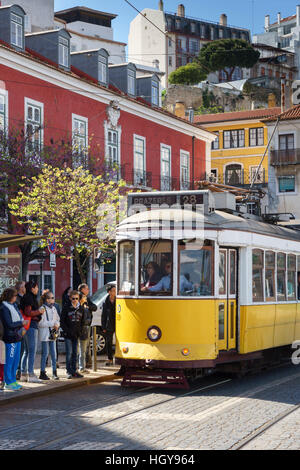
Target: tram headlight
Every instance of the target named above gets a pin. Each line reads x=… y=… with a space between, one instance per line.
x=125 y=349
x=185 y=351
x=154 y=333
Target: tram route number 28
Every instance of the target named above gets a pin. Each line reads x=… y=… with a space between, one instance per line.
x=187 y=199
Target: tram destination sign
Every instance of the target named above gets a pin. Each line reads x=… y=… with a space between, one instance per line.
x=138 y=202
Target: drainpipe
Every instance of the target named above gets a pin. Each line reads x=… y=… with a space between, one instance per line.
x=193 y=162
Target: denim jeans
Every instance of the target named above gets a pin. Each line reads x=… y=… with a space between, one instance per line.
x=46 y=345
x=83 y=344
x=30 y=347
x=71 y=355
x=12 y=361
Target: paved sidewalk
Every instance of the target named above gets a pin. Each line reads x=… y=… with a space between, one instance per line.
x=30 y=390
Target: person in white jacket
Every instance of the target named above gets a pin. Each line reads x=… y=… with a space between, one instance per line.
x=50 y=320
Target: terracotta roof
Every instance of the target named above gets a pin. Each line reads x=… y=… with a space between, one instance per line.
x=288 y=115
x=237 y=116
x=288 y=18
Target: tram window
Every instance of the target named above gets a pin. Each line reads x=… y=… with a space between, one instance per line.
x=257 y=275
x=195 y=268
x=232 y=272
x=291 y=277
x=270 y=275
x=222 y=272
x=281 y=270
x=126 y=276
x=221 y=321
x=156 y=270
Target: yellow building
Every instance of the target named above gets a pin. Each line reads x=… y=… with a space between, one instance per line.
x=239 y=147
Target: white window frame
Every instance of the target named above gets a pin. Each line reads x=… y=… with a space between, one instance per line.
x=154 y=86
x=102 y=69
x=184 y=154
x=79 y=119
x=4 y=94
x=289 y=193
x=118 y=129
x=256 y=136
x=137 y=180
x=163 y=149
x=63 y=51
x=35 y=104
x=131 y=83
x=16 y=21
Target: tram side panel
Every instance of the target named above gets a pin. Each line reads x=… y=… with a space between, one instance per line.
x=268 y=326
x=184 y=324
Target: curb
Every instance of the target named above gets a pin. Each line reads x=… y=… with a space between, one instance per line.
x=29 y=394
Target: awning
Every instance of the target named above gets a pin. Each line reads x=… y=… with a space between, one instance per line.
x=13 y=240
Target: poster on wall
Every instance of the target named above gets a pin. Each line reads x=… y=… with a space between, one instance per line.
x=10 y=269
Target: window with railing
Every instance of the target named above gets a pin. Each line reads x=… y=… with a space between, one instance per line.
x=140 y=161
x=165 y=168
x=33 y=126
x=184 y=170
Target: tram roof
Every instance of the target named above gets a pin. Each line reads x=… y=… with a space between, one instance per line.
x=217 y=220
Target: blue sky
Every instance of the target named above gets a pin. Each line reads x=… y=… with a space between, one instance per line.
x=245 y=13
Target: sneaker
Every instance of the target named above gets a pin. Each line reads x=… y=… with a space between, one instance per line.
x=1 y=386
x=32 y=378
x=84 y=371
x=23 y=378
x=54 y=376
x=44 y=376
x=18 y=385
x=13 y=387
x=69 y=376
x=77 y=375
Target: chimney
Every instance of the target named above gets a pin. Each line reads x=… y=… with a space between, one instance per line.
x=190 y=114
x=282 y=95
x=271 y=100
x=223 y=19
x=155 y=64
x=161 y=5
x=267 y=23
x=298 y=15
x=181 y=10
x=278 y=18
x=180 y=109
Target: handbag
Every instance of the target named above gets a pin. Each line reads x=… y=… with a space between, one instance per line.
x=53 y=333
x=25 y=317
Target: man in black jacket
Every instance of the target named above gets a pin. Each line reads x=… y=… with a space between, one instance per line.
x=108 y=320
x=84 y=343
x=72 y=322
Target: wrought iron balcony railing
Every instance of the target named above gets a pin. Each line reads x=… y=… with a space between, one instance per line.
x=142 y=178
x=285 y=157
x=239 y=178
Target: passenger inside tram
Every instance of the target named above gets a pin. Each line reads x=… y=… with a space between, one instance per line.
x=152 y=274
x=164 y=285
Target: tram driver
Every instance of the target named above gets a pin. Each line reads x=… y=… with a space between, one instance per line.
x=165 y=283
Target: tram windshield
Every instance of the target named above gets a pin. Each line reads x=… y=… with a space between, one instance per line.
x=126 y=268
x=195 y=268
x=156 y=271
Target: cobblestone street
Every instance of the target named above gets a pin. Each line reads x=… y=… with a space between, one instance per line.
x=217 y=413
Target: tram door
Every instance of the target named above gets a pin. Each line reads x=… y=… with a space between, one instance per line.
x=227 y=301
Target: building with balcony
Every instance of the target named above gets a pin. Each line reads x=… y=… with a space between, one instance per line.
x=241 y=140
x=284 y=163
x=284 y=33
x=182 y=42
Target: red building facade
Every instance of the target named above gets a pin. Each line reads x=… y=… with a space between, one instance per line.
x=153 y=149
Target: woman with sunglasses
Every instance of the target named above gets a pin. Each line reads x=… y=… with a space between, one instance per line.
x=72 y=322
x=50 y=321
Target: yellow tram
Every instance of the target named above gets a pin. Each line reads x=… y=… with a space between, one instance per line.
x=201 y=289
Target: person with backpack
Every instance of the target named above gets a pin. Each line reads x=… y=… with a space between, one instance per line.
x=13 y=325
x=48 y=333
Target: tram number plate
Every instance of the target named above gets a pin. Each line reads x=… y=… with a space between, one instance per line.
x=191 y=199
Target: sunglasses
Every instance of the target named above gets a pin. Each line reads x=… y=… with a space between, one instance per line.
x=50 y=297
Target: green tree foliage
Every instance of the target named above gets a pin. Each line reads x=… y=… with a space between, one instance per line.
x=72 y=204
x=226 y=55
x=189 y=74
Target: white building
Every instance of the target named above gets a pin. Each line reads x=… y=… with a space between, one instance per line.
x=181 y=42
x=284 y=163
x=39 y=14
x=284 y=34
x=92 y=29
